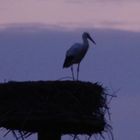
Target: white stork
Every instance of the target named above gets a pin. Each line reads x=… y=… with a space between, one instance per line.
x=76 y=53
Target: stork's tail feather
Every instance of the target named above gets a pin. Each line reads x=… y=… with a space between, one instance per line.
x=68 y=61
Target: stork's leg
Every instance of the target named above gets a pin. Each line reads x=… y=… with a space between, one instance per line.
x=78 y=68
x=72 y=72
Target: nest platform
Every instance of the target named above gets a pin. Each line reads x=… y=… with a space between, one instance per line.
x=65 y=107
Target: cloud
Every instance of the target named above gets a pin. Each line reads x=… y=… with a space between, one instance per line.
x=37 y=41
x=30 y=27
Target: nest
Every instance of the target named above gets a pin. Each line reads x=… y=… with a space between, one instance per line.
x=65 y=107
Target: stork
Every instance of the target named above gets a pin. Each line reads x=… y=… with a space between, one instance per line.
x=76 y=53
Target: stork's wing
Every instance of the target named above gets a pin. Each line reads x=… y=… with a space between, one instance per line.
x=68 y=61
x=74 y=49
x=71 y=54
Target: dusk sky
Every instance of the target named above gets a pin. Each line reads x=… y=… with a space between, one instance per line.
x=35 y=34
x=116 y=14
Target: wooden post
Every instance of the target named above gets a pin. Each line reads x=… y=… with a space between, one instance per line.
x=42 y=135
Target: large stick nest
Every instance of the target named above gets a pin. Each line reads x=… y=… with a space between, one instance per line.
x=63 y=106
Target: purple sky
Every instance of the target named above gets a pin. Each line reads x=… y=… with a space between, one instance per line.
x=35 y=34
x=118 y=14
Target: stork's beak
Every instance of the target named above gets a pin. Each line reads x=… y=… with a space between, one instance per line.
x=92 y=40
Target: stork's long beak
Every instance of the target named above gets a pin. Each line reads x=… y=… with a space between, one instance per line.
x=92 y=40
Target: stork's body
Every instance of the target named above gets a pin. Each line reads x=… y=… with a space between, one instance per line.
x=76 y=53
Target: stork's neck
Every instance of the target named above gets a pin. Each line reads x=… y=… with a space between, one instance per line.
x=85 y=42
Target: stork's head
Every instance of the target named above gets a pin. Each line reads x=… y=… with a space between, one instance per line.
x=87 y=36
